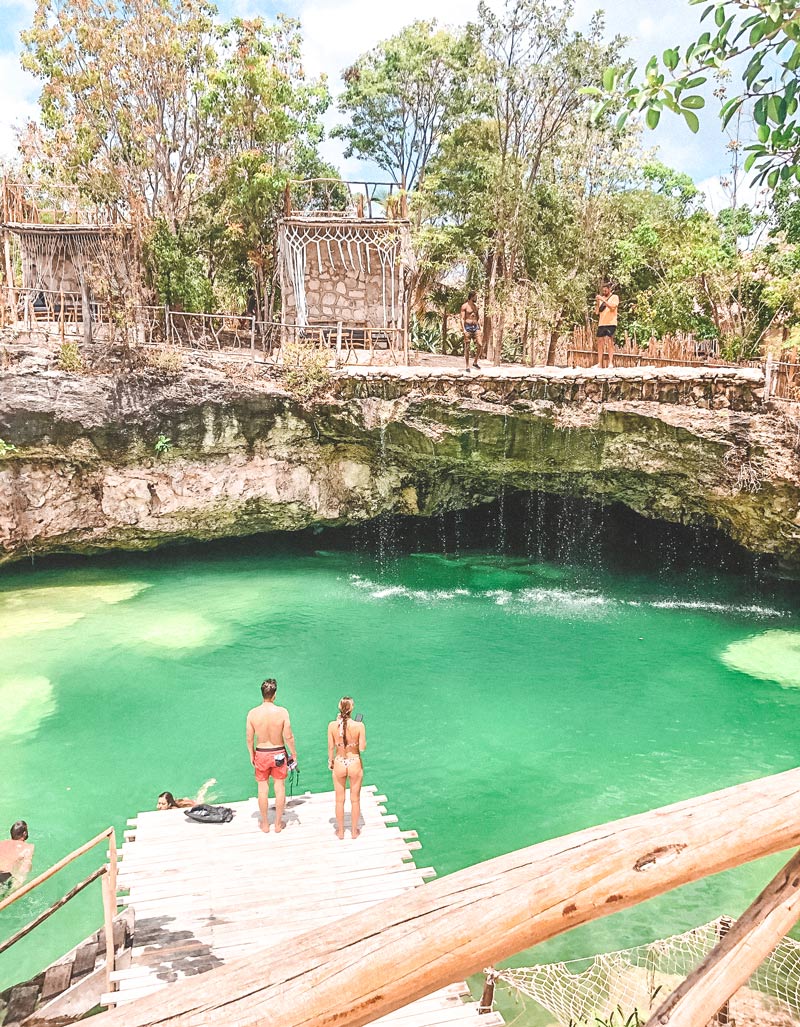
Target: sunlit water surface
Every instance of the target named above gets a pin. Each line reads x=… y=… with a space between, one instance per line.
x=507 y=700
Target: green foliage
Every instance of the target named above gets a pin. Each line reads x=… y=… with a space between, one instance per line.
x=403 y=97
x=305 y=369
x=68 y=357
x=191 y=126
x=162 y=446
x=760 y=38
x=7 y=448
x=269 y=125
x=177 y=271
x=122 y=98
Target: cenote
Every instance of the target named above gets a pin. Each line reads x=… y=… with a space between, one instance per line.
x=524 y=670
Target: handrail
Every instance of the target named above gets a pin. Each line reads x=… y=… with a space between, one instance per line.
x=409 y=946
x=107 y=871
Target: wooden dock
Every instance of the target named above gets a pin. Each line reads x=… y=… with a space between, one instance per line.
x=205 y=894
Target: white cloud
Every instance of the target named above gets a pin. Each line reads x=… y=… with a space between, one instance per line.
x=719 y=193
x=337 y=31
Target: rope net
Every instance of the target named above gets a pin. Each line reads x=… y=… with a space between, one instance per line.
x=612 y=986
x=353 y=247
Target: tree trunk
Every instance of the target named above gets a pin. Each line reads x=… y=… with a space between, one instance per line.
x=444 y=331
x=498 y=338
x=524 y=343
x=552 y=346
x=488 y=326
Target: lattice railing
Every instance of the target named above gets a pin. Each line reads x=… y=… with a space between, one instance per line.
x=334 y=198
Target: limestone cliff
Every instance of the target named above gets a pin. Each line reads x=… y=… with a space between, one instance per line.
x=244 y=456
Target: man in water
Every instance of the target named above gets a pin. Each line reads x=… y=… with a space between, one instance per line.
x=16 y=856
x=606 y=305
x=270 y=744
x=470 y=326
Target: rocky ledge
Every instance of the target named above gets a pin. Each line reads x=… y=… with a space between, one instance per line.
x=133 y=460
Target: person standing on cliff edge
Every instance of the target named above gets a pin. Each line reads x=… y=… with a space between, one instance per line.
x=606 y=306
x=470 y=326
x=271 y=748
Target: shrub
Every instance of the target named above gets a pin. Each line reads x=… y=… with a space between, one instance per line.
x=305 y=369
x=69 y=357
x=168 y=361
x=162 y=445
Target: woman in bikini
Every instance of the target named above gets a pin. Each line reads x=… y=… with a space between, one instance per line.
x=347 y=739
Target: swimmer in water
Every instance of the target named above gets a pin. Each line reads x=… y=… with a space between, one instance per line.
x=347 y=739
x=168 y=801
x=16 y=856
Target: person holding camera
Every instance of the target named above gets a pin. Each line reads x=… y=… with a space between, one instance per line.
x=606 y=306
x=270 y=745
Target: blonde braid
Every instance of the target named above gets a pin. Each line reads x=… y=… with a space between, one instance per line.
x=345 y=709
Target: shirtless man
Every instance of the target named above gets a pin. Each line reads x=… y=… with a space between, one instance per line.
x=470 y=326
x=606 y=305
x=270 y=744
x=16 y=856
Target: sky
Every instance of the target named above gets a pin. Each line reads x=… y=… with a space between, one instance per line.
x=337 y=31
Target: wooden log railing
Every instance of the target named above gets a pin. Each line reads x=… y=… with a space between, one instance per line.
x=108 y=873
x=401 y=950
x=738 y=955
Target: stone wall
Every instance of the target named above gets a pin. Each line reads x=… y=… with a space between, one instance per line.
x=723 y=388
x=345 y=289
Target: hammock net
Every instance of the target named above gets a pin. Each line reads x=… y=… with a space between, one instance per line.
x=611 y=986
x=352 y=247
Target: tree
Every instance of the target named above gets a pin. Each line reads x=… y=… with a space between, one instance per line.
x=269 y=125
x=122 y=101
x=534 y=70
x=761 y=35
x=403 y=97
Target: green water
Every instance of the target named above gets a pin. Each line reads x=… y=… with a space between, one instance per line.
x=506 y=701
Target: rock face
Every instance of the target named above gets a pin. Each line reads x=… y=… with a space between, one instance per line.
x=695 y=447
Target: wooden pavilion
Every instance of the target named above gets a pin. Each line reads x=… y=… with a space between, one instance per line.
x=59 y=254
x=346 y=265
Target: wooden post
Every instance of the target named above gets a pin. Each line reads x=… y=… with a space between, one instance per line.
x=768 y=371
x=87 y=310
x=109 y=912
x=287 y=201
x=12 y=295
x=733 y=960
x=487 y=996
x=409 y=946
x=253 y=342
x=338 y=342
x=723 y=1016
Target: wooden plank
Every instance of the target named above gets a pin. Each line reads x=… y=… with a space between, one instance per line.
x=404 y=949
x=731 y=962
x=57 y=978
x=250 y=884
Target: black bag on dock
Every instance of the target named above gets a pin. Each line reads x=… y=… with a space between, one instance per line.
x=210 y=814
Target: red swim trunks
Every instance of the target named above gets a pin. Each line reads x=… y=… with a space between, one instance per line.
x=267 y=767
